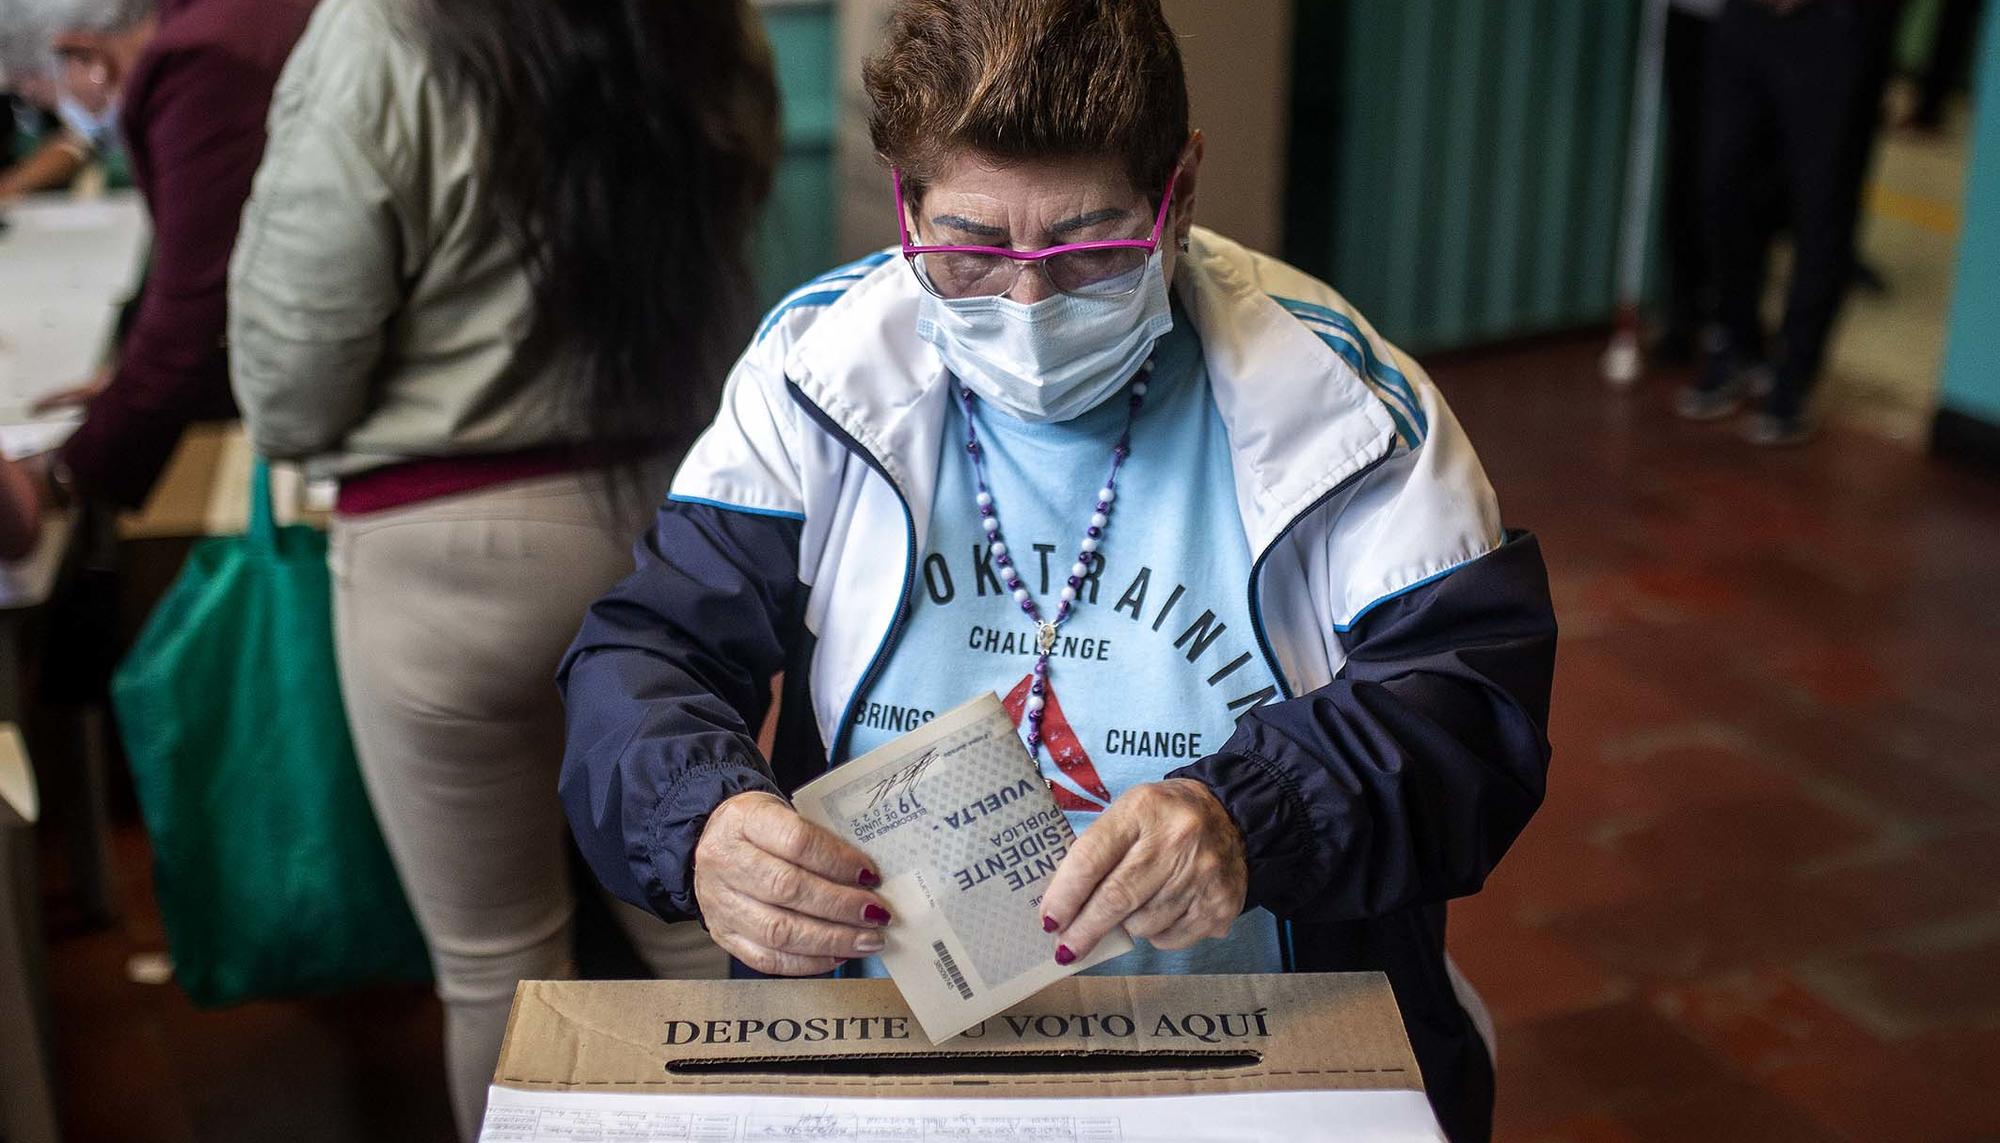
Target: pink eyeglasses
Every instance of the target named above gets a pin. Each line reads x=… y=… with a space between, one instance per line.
x=1110 y=269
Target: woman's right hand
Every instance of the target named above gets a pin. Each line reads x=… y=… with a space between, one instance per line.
x=75 y=396
x=782 y=895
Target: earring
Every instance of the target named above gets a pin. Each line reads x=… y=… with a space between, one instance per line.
x=1184 y=244
x=99 y=75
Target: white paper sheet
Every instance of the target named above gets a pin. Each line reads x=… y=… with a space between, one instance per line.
x=64 y=268
x=32 y=435
x=514 y=1116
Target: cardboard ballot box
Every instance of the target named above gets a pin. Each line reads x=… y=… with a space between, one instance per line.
x=1100 y=1058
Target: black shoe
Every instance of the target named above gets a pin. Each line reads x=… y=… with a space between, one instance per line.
x=1697 y=404
x=1759 y=382
x=1675 y=346
x=1718 y=394
x=1779 y=430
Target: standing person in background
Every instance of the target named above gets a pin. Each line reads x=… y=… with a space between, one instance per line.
x=36 y=154
x=187 y=83
x=488 y=280
x=1801 y=80
x=1690 y=301
x=1948 y=63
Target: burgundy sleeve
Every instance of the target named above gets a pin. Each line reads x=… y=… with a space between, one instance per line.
x=202 y=122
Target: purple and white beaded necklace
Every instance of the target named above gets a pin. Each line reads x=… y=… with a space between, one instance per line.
x=1093 y=537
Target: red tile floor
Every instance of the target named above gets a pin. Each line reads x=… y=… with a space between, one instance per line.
x=1762 y=902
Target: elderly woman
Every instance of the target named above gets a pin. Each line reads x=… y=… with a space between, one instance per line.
x=1227 y=554
x=187 y=84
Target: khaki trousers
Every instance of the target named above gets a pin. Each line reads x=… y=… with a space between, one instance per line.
x=450 y=619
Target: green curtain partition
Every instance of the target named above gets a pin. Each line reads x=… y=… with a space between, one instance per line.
x=796 y=242
x=1457 y=166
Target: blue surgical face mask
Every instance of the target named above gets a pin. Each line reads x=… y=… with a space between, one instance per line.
x=97 y=128
x=1054 y=359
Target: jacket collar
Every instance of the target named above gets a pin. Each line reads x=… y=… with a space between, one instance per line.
x=1300 y=422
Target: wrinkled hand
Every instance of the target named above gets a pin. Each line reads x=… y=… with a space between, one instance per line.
x=781 y=894
x=32 y=474
x=1165 y=860
x=76 y=396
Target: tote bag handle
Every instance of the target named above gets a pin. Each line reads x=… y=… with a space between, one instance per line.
x=263 y=529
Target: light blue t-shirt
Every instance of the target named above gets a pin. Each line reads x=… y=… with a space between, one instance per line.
x=1158 y=661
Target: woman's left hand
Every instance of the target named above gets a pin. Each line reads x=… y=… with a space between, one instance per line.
x=1166 y=861
x=76 y=396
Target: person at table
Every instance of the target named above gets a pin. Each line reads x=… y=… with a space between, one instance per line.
x=38 y=152
x=51 y=165
x=1225 y=552
x=20 y=510
x=187 y=85
x=489 y=281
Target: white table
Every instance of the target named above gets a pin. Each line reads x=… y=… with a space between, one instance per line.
x=65 y=268
x=27 y=1100
x=66 y=265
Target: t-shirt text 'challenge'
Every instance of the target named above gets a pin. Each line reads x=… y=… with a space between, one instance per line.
x=1159 y=659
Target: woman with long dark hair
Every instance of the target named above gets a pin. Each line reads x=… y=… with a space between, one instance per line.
x=487 y=280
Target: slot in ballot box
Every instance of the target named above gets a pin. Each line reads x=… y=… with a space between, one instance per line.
x=1226 y=1059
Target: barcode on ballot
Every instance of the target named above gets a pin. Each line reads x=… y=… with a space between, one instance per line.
x=951 y=972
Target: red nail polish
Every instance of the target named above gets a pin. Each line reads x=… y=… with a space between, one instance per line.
x=1064 y=956
x=869 y=879
x=1049 y=924
x=876 y=914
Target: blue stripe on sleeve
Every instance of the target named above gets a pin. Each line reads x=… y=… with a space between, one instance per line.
x=820 y=298
x=1390 y=401
x=1355 y=621
x=775 y=513
x=823 y=290
x=858 y=268
x=1384 y=373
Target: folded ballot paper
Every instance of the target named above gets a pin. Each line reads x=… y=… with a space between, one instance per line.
x=966 y=836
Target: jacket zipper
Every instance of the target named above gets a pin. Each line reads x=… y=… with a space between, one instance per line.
x=889 y=640
x=1257 y=567
x=842 y=729
x=1287 y=932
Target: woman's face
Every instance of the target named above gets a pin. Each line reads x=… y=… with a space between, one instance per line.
x=976 y=200
x=86 y=70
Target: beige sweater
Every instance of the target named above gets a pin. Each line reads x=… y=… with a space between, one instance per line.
x=377 y=311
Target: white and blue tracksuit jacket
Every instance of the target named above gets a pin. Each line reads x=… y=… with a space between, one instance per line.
x=1414 y=636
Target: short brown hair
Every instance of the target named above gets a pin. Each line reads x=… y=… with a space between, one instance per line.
x=1029 y=79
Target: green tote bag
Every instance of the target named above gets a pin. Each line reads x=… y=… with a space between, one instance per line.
x=271 y=873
